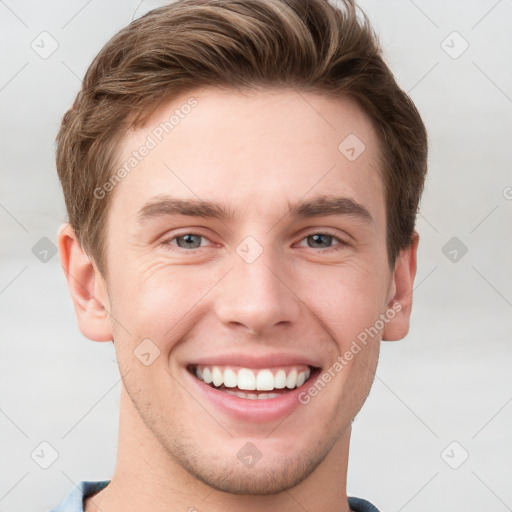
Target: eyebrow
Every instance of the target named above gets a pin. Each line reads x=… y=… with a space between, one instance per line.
x=320 y=206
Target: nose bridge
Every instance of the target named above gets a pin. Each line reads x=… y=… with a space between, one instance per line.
x=255 y=293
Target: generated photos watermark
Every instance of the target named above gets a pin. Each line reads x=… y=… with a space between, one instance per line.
x=156 y=136
x=371 y=332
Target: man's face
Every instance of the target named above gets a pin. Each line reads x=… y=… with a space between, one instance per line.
x=260 y=290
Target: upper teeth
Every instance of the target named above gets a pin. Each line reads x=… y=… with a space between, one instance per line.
x=261 y=380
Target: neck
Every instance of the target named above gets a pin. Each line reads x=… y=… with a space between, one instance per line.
x=147 y=476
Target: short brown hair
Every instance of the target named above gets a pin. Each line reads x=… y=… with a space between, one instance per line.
x=305 y=44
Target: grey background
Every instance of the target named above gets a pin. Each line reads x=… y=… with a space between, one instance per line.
x=449 y=380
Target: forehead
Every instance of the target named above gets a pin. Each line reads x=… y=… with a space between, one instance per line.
x=256 y=151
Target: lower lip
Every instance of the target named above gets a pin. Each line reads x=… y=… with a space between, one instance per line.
x=254 y=411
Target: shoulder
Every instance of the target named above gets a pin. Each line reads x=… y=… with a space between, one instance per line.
x=360 y=505
x=74 y=500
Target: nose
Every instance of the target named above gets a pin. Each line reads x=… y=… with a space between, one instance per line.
x=258 y=296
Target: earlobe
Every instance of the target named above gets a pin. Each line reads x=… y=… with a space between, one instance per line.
x=400 y=296
x=86 y=285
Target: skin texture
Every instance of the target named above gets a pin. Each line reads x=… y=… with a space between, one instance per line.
x=254 y=153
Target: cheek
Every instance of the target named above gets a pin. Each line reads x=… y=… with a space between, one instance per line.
x=155 y=302
x=347 y=299
x=350 y=307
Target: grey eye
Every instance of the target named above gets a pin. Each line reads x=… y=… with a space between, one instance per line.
x=190 y=241
x=320 y=238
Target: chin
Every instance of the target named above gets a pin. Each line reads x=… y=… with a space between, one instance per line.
x=262 y=479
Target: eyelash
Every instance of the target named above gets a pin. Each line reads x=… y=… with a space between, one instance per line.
x=341 y=243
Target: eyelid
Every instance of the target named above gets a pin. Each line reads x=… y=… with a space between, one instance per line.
x=328 y=232
x=173 y=236
x=317 y=231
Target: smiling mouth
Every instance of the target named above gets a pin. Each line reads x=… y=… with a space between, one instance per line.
x=253 y=384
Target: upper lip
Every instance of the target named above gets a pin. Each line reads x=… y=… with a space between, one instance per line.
x=251 y=361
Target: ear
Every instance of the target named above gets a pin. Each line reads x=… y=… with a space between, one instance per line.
x=400 y=294
x=87 y=287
